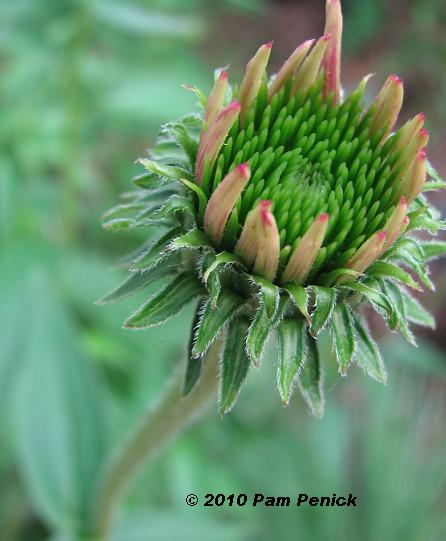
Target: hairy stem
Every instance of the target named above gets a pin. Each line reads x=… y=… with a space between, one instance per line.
x=162 y=422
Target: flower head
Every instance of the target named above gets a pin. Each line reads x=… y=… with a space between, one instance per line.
x=286 y=207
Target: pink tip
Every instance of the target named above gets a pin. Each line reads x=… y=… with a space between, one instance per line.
x=382 y=235
x=233 y=106
x=324 y=217
x=421 y=117
x=422 y=155
x=244 y=170
x=406 y=220
x=424 y=133
x=403 y=201
x=264 y=212
x=395 y=79
x=269 y=44
x=327 y=37
x=223 y=75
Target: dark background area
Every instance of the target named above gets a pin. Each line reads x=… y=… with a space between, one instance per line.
x=83 y=88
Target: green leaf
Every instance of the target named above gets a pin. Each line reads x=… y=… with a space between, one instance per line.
x=201 y=197
x=166 y=304
x=167 y=171
x=260 y=328
x=138 y=280
x=325 y=300
x=213 y=320
x=410 y=253
x=269 y=295
x=383 y=269
x=434 y=249
x=192 y=239
x=194 y=365
x=176 y=204
x=299 y=297
x=310 y=380
x=222 y=259
x=235 y=365
x=58 y=418
x=293 y=338
x=330 y=278
x=367 y=354
x=433 y=173
x=376 y=298
x=416 y=313
x=342 y=329
x=394 y=294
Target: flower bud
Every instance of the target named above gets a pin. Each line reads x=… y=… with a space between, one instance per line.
x=368 y=252
x=289 y=67
x=386 y=106
x=332 y=57
x=416 y=177
x=308 y=72
x=223 y=200
x=212 y=141
x=259 y=243
x=255 y=70
x=215 y=100
x=303 y=257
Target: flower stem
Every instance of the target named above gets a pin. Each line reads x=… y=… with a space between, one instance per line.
x=162 y=422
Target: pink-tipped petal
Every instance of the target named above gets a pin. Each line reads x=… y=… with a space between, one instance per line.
x=395 y=222
x=259 y=243
x=417 y=177
x=309 y=70
x=212 y=141
x=368 y=252
x=255 y=71
x=215 y=100
x=332 y=57
x=289 y=67
x=223 y=200
x=303 y=257
x=268 y=248
x=386 y=106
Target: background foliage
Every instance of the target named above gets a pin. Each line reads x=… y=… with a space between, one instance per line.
x=84 y=87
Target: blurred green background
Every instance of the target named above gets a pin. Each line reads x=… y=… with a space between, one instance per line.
x=84 y=86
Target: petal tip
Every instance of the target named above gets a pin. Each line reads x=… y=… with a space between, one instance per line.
x=244 y=170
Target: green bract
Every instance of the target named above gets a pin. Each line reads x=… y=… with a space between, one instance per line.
x=285 y=208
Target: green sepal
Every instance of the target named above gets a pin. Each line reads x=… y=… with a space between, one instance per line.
x=367 y=354
x=193 y=239
x=234 y=366
x=194 y=365
x=434 y=249
x=202 y=99
x=151 y=255
x=149 y=181
x=411 y=254
x=201 y=197
x=175 y=205
x=416 y=313
x=325 y=301
x=166 y=304
x=438 y=183
x=167 y=171
x=268 y=295
x=310 y=380
x=221 y=259
x=138 y=280
x=214 y=319
x=393 y=293
x=293 y=337
x=260 y=328
x=187 y=142
x=343 y=334
x=384 y=269
x=299 y=297
x=376 y=298
x=330 y=278
x=122 y=216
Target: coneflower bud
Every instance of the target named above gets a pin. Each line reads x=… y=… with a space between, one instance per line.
x=407 y=133
x=289 y=67
x=386 y=107
x=255 y=71
x=223 y=200
x=309 y=70
x=332 y=57
x=368 y=252
x=212 y=141
x=216 y=98
x=303 y=257
x=259 y=243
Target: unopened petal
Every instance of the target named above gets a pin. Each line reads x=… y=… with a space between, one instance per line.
x=417 y=177
x=216 y=98
x=332 y=57
x=303 y=257
x=395 y=222
x=368 y=252
x=223 y=200
x=268 y=248
x=386 y=107
x=308 y=72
